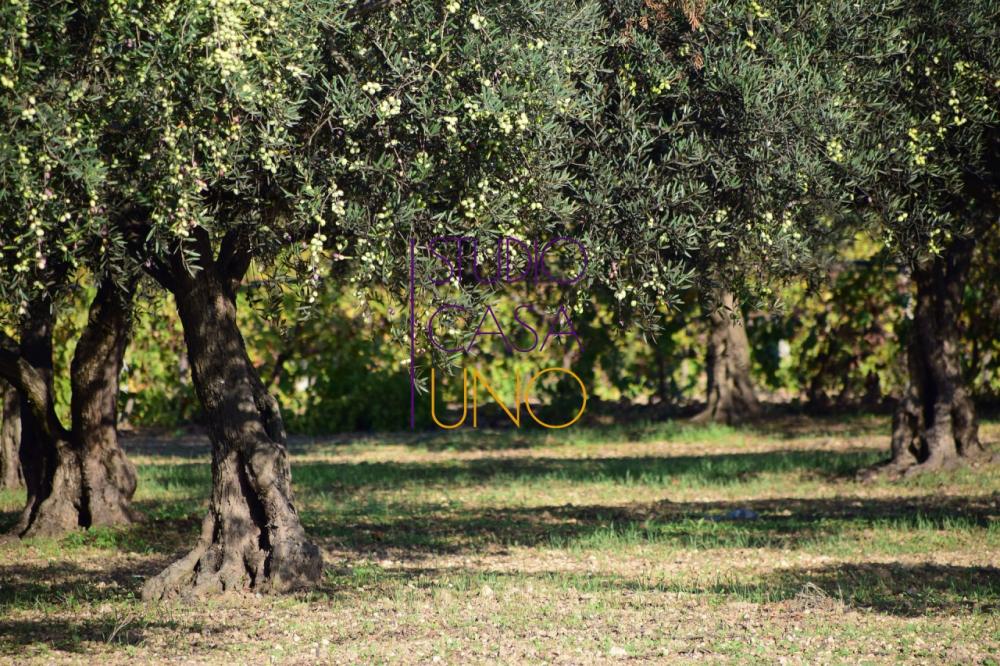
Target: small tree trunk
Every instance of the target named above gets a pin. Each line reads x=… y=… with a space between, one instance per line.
x=934 y=425
x=731 y=396
x=10 y=439
x=78 y=478
x=49 y=465
x=872 y=397
x=661 y=375
x=252 y=537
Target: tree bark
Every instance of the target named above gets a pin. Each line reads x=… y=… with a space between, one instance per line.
x=107 y=475
x=10 y=439
x=731 y=397
x=252 y=537
x=79 y=477
x=47 y=459
x=935 y=425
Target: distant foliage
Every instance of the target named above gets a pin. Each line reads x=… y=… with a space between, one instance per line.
x=156 y=388
x=836 y=343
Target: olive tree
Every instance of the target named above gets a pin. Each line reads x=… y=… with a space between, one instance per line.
x=51 y=185
x=302 y=141
x=927 y=150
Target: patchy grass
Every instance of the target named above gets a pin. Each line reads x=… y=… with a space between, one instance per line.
x=651 y=542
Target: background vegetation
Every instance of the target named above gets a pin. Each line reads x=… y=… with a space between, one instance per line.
x=831 y=346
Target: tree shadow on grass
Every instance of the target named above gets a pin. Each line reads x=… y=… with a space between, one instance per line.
x=64 y=586
x=349 y=515
x=629 y=426
x=424 y=531
x=784 y=523
x=73 y=636
x=804 y=426
x=7 y=521
x=904 y=590
x=716 y=469
x=353 y=519
x=152 y=535
x=23 y=585
x=893 y=588
x=641 y=470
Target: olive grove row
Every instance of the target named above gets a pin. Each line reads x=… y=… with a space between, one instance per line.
x=180 y=146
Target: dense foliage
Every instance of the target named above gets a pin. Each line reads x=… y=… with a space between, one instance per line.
x=926 y=136
x=712 y=157
x=52 y=176
x=704 y=140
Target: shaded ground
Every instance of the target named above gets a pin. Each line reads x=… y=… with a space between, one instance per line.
x=652 y=542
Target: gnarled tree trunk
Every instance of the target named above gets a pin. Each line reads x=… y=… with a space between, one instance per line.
x=79 y=477
x=47 y=460
x=107 y=475
x=934 y=425
x=252 y=537
x=731 y=397
x=10 y=438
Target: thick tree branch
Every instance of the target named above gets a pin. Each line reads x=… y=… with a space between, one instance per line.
x=234 y=255
x=136 y=231
x=32 y=385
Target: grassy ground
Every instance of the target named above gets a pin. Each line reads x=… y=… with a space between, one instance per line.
x=576 y=547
